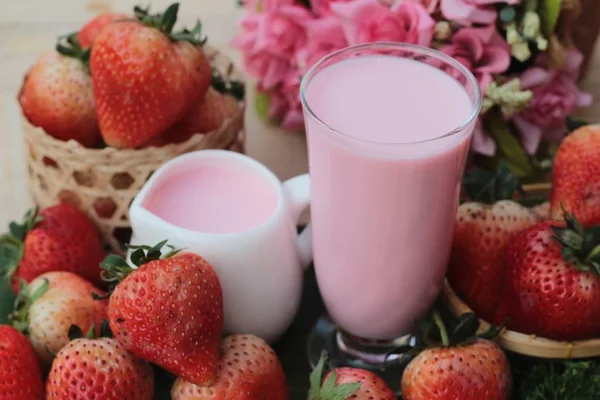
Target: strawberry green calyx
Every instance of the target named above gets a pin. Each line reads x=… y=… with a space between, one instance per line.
x=166 y=21
x=580 y=246
x=464 y=332
x=225 y=86
x=12 y=243
x=320 y=390
x=489 y=186
x=25 y=299
x=68 y=45
x=116 y=268
x=75 y=332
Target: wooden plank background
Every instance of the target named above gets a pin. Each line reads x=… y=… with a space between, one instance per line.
x=28 y=27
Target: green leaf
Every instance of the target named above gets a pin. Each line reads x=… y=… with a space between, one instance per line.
x=105 y=329
x=573 y=124
x=508 y=144
x=169 y=18
x=7 y=301
x=261 y=103
x=465 y=330
x=486 y=186
x=560 y=380
x=315 y=378
x=75 y=332
x=11 y=252
x=549 y=11
x=91 y=333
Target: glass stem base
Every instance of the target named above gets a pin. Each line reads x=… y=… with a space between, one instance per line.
x=386 y=358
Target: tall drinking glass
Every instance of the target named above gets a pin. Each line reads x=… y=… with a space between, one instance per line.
x=389 y=127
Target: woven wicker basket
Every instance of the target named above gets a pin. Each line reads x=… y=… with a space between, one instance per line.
x=530 y=345
x=103 y=182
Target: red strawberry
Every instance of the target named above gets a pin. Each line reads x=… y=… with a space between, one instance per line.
x=347 y=383
x=248 y=370
x=57 y=95
x=145 y=77
x=552 y=281
x=205 y=116
x=89 y=368
x=576 y=176
x=464 y=367
x=59 y=238
x=20 y=374
x=53 y=302
x=169 y=311
x=476 y=264
x=93 y=27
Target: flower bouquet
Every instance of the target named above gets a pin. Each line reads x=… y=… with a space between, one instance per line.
x=521 y=52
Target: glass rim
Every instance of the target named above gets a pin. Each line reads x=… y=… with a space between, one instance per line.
x=393 y=45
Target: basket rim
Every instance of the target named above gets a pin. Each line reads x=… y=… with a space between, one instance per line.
x=525 y=344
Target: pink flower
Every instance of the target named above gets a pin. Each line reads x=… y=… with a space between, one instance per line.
x=322 y=7
x=482 y=143
x=555 y=96
x=482 y=50
x=325 y=35
x=430 y=5
x=366 y=21
x=269 y=41
x=265 y=5
x=472 y=11
x=285 y=105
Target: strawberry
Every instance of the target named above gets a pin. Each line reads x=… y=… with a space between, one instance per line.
x=347 y=383
x=58 y=238
x=552 y=281
x=53 y=302
x=169 y=311
x=57 y=95
x=93 y=27
x=20 y=374
x=464 y=367
x=542 y=210
x=248 y=370
x=480 y=234
x=98 y=368
x=576 y=176
x=205 y=116
x=145 y=77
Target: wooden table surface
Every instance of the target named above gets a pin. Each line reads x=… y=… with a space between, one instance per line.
x=28 y=27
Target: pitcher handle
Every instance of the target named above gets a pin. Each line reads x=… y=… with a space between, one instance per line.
x=297 y=190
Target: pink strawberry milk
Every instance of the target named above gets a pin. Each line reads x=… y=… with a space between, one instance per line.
x=388 y=138
x=214 y=199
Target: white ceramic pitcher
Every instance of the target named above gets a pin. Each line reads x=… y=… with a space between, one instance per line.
x=260 y=269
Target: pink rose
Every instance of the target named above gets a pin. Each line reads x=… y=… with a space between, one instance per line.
x=366 y=21
x=555 y=96
x=472 y=11
x=482 y=143
x=285 y=105
x=265 y=5
x=325 y=35
x=482 y=50
x=322 y=7
x=269 y=41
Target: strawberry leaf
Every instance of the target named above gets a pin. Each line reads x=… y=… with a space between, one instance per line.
x=169 y=18
x=573 y=124
x=75 y=332
x=105 y=329
x=329 y=390
x=579 y=246
x=23 y=302
x=227 y=86
x=488 y=186
x=466 y=329
x=7 y=301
